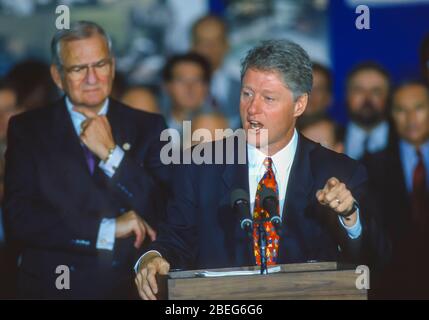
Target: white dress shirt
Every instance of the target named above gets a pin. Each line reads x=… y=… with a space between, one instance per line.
x=106 y=233
x=282 y=163
x=378 y=138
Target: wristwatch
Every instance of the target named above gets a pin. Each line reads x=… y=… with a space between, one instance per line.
x=352 y=210
x=109 y=155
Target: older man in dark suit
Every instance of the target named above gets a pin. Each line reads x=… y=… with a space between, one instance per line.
x=319 y=195
x=82 y=178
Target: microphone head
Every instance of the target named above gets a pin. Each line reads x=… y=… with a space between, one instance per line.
x=239 y=194
x=276 y=221
x=267 y=193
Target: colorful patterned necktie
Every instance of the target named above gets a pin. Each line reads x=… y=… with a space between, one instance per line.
x=272 y=248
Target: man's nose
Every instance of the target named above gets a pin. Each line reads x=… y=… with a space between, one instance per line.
x=254 y=106
x=91 y=76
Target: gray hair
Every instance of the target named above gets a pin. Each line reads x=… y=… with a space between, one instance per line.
x=285 y=57
x=78 y=30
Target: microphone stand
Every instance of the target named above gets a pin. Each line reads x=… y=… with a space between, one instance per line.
x=263 y=247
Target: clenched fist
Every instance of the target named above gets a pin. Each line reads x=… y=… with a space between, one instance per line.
x=96 y=133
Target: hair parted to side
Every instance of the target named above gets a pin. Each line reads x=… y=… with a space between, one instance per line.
x=285 y=57
x=78 y=30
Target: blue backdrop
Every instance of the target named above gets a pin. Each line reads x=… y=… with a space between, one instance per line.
x=393 y=41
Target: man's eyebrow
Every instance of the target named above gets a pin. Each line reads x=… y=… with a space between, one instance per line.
x=87 y=64
x=265 y=91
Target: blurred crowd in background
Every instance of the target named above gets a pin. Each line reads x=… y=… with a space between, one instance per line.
x=191 y=73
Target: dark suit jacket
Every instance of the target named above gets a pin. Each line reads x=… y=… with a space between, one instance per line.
x=53 y=206
x=406 y=275
x=202 y=231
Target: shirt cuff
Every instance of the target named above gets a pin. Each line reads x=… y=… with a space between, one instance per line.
x=136 y=266
x=106 y=234
x=354 y=231
x=109 y=167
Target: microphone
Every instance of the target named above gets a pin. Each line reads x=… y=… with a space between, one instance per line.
x=240 y=204
x=270 y=203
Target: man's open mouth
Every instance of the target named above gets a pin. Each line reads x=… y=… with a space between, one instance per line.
x=255 y=125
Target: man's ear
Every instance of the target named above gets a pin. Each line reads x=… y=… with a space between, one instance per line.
x=113 y=68
x=300 y=105
x=56 y=76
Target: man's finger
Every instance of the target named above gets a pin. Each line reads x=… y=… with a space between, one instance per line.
x=164 y=268
x=332 y=182
x=138 y=282
x=139 y=236
x=142 y=229
x=152 y=271
x=85 y=112
x=148 y=291
x=145 y=288
x=143 y=295
x=150 y=232
x=334 y=193
x=85 y=124
x=321 y=197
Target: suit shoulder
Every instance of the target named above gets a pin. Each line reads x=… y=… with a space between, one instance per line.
x=33 y=118
x=333 y=163
x=378 y=163
x=140 y=115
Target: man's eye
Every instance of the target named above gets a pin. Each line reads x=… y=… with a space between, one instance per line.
x=101 y=64
x=76 y=69
x=269 y=99
x=246 y=93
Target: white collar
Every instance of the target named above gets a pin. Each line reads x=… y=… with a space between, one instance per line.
x=103 y=110
x=281 y=159
x=77 y=118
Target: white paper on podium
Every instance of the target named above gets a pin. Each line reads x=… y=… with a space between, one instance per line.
x=235 y=273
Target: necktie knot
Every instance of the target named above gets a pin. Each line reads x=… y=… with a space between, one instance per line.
x=268 y=163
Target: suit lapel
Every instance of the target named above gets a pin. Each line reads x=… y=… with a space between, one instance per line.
x=298 y=197
x=300 y=181
x=236 y=176
x=66 y=142
x=123 y=129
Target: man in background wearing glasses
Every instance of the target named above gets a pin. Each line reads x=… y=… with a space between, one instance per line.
x=84 y=181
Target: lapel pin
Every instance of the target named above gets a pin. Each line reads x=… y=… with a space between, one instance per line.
x=126 y=146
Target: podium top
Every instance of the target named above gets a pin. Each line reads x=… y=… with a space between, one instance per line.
x=294 y=267
x=318 y=280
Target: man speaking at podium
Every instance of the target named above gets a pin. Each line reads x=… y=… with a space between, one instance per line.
x=320 y=195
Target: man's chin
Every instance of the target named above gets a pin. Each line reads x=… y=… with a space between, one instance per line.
x=94 y=103
x=257 y=138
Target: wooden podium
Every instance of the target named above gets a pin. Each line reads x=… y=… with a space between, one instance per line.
x=294 y=281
